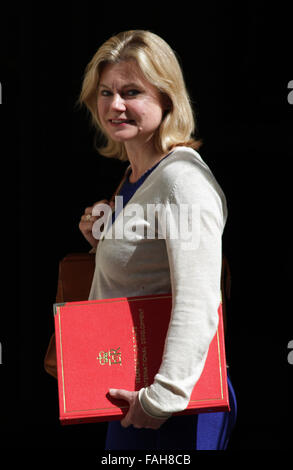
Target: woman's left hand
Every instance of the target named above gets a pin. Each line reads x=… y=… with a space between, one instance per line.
x=135 y=416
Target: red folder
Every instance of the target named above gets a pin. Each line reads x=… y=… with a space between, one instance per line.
x=118 y=343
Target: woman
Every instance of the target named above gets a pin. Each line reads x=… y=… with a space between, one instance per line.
x=135 y=92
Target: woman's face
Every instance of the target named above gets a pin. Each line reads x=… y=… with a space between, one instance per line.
x=130 y=109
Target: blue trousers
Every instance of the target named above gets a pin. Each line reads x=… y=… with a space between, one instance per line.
x=206 y=431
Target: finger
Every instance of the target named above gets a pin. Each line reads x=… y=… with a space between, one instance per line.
x=121 y=394
x=88 y=210
x=99 y=203
x=88 y=218
x=126 y=421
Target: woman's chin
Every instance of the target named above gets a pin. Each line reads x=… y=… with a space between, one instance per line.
x=123 y=136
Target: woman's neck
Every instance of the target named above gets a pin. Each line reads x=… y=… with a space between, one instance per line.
x=142 y=159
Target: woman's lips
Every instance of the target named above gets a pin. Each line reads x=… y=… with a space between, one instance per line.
x=120 y=122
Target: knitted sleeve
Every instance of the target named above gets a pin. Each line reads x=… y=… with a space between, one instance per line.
x=195 y=271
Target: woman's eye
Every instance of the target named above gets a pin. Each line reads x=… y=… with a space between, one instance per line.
x=105 y=93
x=125 y=94
x=132 y=92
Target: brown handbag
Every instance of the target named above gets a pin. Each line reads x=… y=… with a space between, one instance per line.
x=75 y=275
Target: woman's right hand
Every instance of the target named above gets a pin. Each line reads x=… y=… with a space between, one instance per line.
x=87 y=221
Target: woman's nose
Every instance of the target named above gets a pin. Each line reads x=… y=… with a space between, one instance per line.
x=118 y=103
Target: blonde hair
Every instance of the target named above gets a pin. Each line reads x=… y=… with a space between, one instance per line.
x=160 y=67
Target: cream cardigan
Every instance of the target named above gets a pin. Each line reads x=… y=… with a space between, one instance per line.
x=136 y=265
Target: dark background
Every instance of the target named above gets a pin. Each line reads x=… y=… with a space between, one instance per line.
x=236 y=62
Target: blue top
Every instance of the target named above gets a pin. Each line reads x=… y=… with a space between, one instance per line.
x=128 y=189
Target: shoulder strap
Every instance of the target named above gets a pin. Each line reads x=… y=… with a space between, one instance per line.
x=127 y=171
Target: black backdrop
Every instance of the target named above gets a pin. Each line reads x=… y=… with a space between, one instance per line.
x=236 y=62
